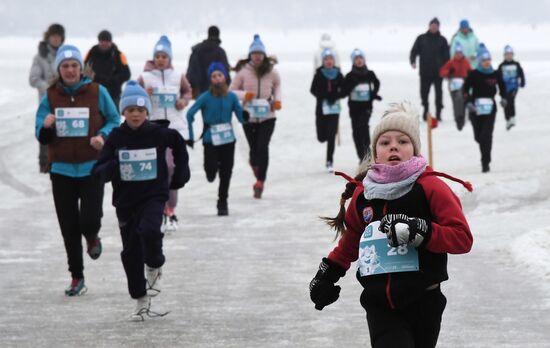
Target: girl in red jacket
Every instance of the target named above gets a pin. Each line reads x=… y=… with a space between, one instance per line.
x=401 y=223
x=456 y=70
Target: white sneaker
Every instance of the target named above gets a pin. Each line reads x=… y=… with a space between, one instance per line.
x=330 y=168
x=142 y=308
x=510 y=123
x=165 y=220
x=153 y=276
x=171 y=224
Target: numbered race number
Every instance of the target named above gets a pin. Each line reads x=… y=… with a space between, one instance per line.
x=164 y=97
x=455 y=84
x=331 y=109
x=72 y=122
x=484 y=106
x=377 y=257
x=222 y=134
x=138 y=165
x=258 y=108
x=509 y=72
x=361 y=92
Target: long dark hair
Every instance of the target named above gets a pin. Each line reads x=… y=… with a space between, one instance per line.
x=262 y=69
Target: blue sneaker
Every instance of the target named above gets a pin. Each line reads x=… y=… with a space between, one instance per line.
x=76 y=288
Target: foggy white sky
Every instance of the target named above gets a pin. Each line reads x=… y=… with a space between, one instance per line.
x=83 y=18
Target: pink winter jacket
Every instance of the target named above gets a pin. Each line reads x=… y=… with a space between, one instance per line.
x=267 y=87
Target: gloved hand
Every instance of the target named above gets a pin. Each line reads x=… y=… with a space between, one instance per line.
x=503 y=102
x=190 y=143
x=248 y=96
x=377 y=97
x=322 y=290
x=277 y=105
x=471 y=107
x=401 y=229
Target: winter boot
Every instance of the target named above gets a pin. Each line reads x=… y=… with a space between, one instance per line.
x=94 y=248
x=485 y=168
x=171 y=223
x=258 y=189
x=153 y=276
x=142 y=309
x=76 y=288
x=223 y=210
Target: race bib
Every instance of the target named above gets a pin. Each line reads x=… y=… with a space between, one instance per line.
x=333 y=109
x=509 y=72
x=361 y=92
x=258 y=108
x=138 y=165
x=222 y=134
x=165 y=97
x=377 y=257
x=455 y=84
x=72 y=122
x=484 y=106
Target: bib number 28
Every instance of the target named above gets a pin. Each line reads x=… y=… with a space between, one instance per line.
x=400 y=250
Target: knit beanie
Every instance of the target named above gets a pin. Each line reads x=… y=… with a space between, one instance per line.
x=66 y=52
x=482 y=52
x=257 y=45
x=326 y=53
x=357 y=53
x=105 y=35
x=464 y=24
x=402 y=117
x=508 y=49
x=217 y=66
x=213 y=32
x=434 y=21
x=458 y=48
x=134 y=95
x=163 y=45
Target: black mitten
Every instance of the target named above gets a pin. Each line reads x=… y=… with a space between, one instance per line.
x=321 y=288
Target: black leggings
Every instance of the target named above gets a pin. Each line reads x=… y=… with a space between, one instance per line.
x=361 y=131
x=510 y=109
x=425 y=84
x=327 y=127
x=219 y=159
x=414 y=326
x=258 y=136
x=483 y=134
x=79 y=208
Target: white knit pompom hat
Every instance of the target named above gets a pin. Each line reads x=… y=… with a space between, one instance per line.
x=402 y=117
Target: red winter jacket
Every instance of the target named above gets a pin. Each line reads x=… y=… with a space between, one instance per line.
x=455 y=67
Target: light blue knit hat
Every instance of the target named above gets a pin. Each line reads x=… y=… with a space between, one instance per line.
x=508 y=49
x=257 y=45
x=163 y=45
x=357 y=53
x=326 y=52
x=134 y=95
x=67 y=52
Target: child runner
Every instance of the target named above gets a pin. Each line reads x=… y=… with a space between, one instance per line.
x=73 y=119
x=401 y=223
x=361 y=85
x=456 y=70
x=133 y=159
x=480 y=88
x=511 y=73
x=258 y=85
x=327 y=87
x=218 y=138
x=170 y=93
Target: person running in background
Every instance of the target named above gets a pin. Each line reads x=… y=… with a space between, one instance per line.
x=324 y=43
x=107 y=65
x=361 y=87
x=202 y=55
x=170 y=93
x=456 y=70
x=468 y=41
x=511 y=73
x=258 y=85
x=133 y=159
x=74 y=118
x=433 y=51
x=43 y=74
x=217 y=106
x=328 y=87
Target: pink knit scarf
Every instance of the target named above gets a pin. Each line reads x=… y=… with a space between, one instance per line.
x=385 y=174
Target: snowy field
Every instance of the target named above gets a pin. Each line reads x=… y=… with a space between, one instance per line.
x=242 y=280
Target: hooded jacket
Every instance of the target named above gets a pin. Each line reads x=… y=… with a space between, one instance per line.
x=43 y=73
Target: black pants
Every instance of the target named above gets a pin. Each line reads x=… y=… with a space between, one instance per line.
x=483 y=134
x=414 y=326
x=425 y=85
x=258 y=136
x=42 y=156
x=327 y=126
x=361 y=131
x=141 y=243
x=79 y=208
x=510 y=109
x=459 y=108
x=219 y=159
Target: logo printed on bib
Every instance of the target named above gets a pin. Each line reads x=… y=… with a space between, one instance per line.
x=367 y=214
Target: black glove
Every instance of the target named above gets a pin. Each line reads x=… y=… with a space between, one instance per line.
x=321 y=288
x=377 y=97
x=190 y=143
x=401 y=229
x=246 y=116
x=504 y=103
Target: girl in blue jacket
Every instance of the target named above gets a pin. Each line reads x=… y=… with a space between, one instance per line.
x=218 y=137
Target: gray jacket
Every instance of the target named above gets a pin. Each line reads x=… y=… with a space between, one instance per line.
x=43 y=72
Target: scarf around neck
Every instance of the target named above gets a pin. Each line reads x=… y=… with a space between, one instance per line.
x=391 y=182
x=330 y=74
x=487 y=71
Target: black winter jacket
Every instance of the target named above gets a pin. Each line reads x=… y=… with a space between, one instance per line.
x=480 y=85
x=433 y=51
x=110 y=68
x=325 y=89
x=355 y=77
x=202 y=55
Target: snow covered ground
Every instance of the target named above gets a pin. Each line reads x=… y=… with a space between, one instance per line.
x=242 y=281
